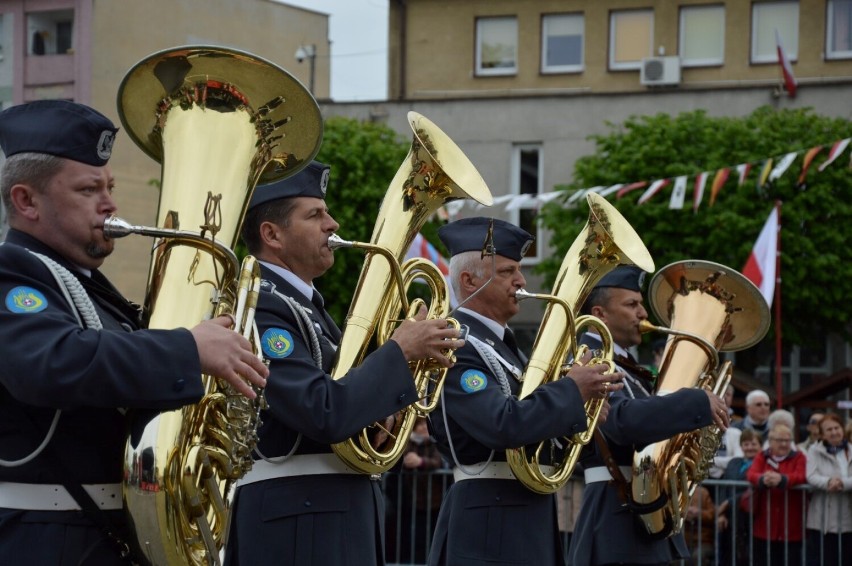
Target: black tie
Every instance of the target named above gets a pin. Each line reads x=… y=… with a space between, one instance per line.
x=331 y=327
x=509 y=340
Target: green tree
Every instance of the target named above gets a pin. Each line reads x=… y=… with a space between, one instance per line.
x=816 y=215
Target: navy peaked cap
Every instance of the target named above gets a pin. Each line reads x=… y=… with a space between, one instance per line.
x=57 y=127
x=311 y=181
x=624 y=277
x=469 y=234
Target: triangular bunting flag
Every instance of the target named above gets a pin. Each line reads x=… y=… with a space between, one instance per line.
x=718 y=181
x=806 y=164
x=631 y=187
x=678 y=193
x=836 y=150
x=783 y=165
x=655 y=187
x=700 y=182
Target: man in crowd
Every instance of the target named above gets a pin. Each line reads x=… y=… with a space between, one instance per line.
x=757 y=414
x=488 y=515
x=607 y=531
x=300 y=496
x=76 y=364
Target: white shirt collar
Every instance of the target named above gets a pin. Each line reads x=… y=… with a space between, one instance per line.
x=492 y=324
x=617 y=350
x=292 y=279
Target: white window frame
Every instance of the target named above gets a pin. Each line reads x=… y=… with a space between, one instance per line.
x=545 y=35
x=515 y=188
x=683 y=37
x=481 y=71
x=790 y=42
x=829 y=35
x=628 y=65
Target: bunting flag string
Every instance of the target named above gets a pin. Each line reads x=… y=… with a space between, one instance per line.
x=767 y=171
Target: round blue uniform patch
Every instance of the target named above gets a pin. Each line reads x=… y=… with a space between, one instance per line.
x=473 y=380
x=25 y=300
x=277 y=343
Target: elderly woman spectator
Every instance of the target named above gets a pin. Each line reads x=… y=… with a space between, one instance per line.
x=733 y=544
x=778 y=511
x=829 y=472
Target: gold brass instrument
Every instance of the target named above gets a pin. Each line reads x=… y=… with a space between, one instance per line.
x=605 y=242
x=707 y=308
x=434 y=172
x=218 y=120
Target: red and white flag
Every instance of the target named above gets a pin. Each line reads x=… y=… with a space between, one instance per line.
x=790 y=83
x=760 y=267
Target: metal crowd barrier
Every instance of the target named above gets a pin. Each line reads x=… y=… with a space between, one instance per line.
x=413 y=500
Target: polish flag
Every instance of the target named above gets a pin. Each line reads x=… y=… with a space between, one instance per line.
x=760 y=267
x=790 y=83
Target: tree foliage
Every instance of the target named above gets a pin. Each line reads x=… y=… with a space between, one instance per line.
x=816 y=264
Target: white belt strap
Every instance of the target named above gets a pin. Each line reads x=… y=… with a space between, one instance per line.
x=601 y=473
x=299 y=465
x=492 y=471
x=54 y=497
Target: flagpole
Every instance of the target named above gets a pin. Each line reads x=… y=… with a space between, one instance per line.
x=778 y=351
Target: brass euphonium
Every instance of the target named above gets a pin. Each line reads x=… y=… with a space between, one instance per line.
x=605 y=242
x=709 y=308
x=218 y=120
x=435 y=172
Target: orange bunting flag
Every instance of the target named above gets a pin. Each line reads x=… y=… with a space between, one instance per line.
x=838 y=148
x=700 y=183
x=718 y=181
x=631 y=187
x=655 y=187
x=806 y=164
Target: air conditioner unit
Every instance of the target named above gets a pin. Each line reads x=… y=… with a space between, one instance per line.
x=657 y=71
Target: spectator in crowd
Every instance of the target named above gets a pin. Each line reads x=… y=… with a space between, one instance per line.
x=698 y=527
x=733 y=543
x=813 y=432
x=421 y=493
x=829 y=471
x=778 y=511
x=782 y=416
x=757 y=413
x=729 y=447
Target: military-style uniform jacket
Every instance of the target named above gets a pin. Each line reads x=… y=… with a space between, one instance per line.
x=330 y=519
x=606 y=531
x=497 y=521
x=49 y=362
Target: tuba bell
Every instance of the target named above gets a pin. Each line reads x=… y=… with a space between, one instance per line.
x=434 y=172
x=708 y=308
x=606 y=241
x=218 y=120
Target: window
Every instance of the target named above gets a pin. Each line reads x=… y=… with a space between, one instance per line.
x=839 y=32
x=50 y=33
x=496 y=46
x=526 y=180
x=562 y=43
x=766 y=18
x=702 y=35
x=631 y=38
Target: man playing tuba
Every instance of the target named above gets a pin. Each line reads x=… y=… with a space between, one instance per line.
x=606 y=531
x=488 y=515
x=74 y=356
x=300 y=500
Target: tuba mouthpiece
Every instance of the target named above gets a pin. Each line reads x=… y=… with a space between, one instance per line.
x=115 y=227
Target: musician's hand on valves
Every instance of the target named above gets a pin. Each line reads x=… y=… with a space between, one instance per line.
x=228 y=355
x=421 y=339
x=593 y=382
x=719 y=411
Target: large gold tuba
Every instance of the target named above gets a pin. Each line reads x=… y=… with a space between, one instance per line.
x=218 y=120
x=708 y=308
x=434 y=173
x=606 y=241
